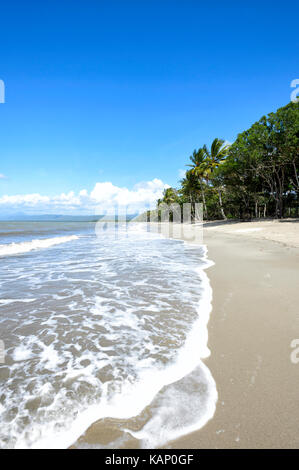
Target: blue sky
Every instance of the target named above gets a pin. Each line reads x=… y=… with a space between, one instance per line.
x=123 y=91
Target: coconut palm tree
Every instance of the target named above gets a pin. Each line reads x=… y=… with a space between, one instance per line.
x=198 y=168
x=190 y=188
x=169 y=196
x=214 y=158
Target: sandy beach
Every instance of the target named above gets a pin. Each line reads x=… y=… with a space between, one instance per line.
x=255 y=317
x=285 y=231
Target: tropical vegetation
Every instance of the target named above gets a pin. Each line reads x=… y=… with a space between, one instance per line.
x=255 y=177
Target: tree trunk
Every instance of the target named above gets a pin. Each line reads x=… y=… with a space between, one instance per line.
x=280 y=186
x=192 y=209
x=221 y=205
x=205 y=210
x=280 y=207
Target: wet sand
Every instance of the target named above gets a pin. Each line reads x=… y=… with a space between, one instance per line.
x=255 y=316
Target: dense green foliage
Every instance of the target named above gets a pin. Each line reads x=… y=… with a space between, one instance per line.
x=257 y=176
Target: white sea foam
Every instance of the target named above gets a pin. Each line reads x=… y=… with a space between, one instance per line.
x=150 y=341
x=21 y=353
x=12 y=301
x=23 y=247
x=173 y=391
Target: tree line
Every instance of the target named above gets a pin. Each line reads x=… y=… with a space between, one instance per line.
x=255 y=177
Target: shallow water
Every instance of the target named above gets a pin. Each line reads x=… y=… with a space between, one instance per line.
x=101 y=325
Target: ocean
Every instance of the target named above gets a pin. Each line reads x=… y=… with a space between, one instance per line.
x=101 y=321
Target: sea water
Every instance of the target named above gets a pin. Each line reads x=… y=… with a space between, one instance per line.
x=101 y=324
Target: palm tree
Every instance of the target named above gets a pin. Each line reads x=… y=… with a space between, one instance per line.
x=214 y=158
x=169 y=196
x=190 y=187
x=198 y=168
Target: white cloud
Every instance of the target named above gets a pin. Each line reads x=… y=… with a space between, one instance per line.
x=2 y=176
x=182 y=173
x=103 y=198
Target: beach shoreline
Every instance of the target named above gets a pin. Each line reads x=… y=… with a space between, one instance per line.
x=254 y=318
x=253 y=321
